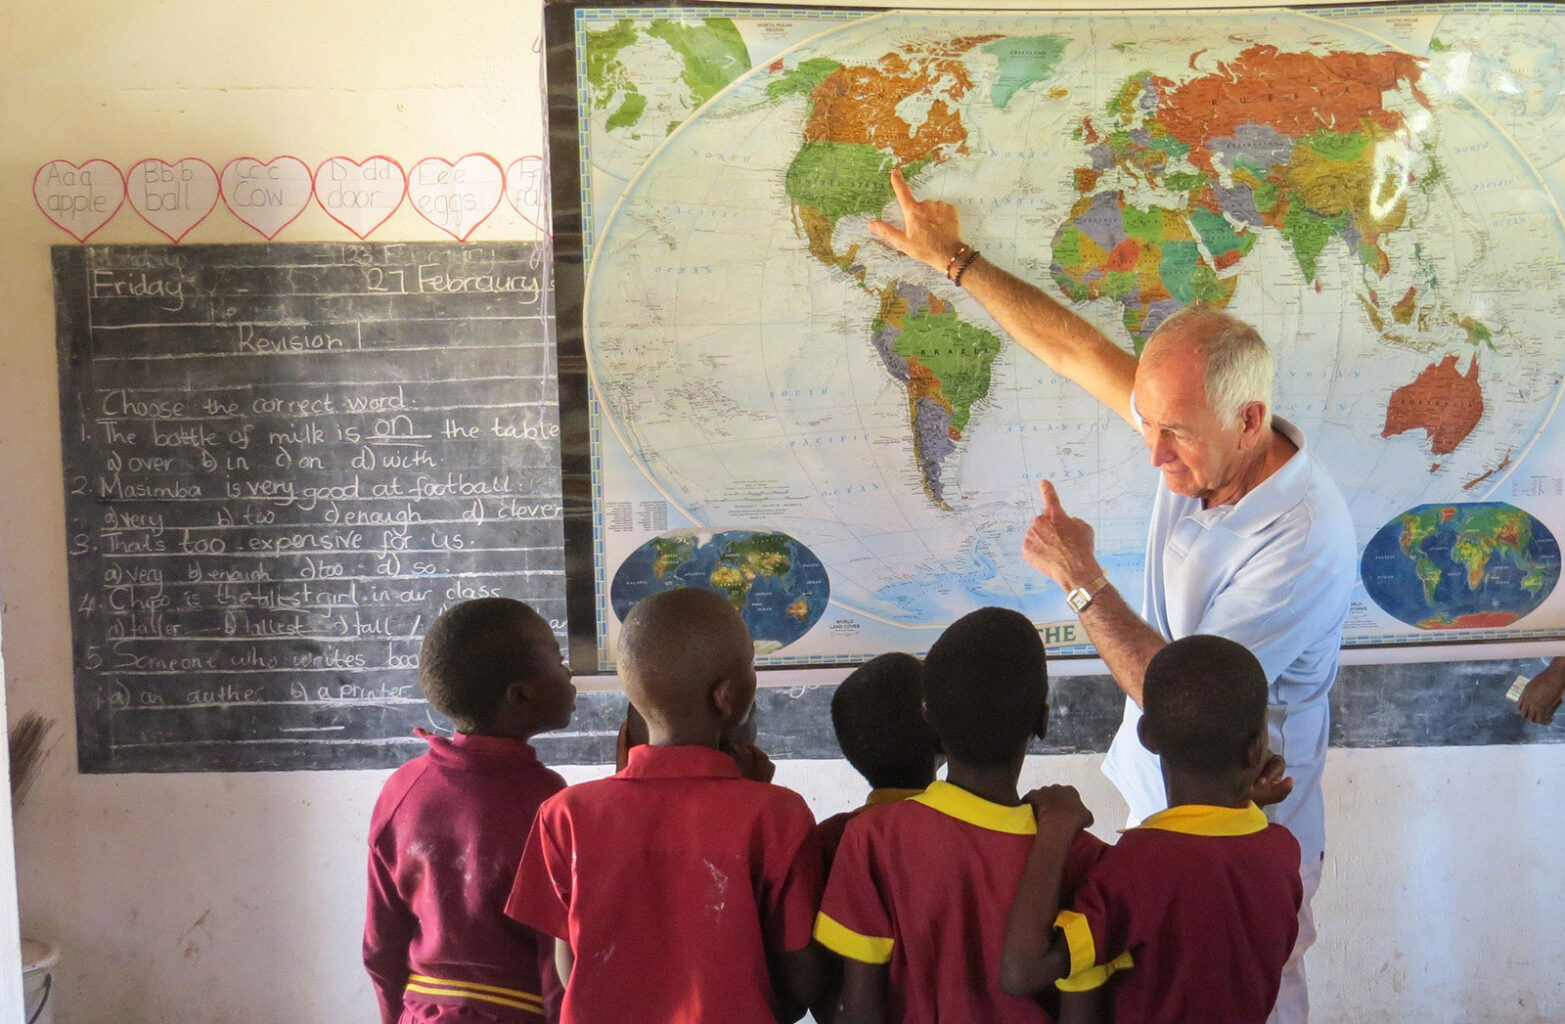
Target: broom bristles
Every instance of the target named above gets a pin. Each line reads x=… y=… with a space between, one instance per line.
x=28 y=737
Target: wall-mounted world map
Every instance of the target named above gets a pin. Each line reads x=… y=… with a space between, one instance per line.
x=1376 y=191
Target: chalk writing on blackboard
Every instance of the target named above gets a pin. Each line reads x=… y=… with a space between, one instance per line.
x=281 y=462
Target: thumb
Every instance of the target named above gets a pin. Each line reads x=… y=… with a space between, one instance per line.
x=889 y=233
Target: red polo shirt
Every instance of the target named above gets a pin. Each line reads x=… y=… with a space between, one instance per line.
x=830 y=829
x=1199 y=906
x=445 y=838
x=671 y=881
x=925 y=885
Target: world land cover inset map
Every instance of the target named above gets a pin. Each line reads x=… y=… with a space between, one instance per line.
x=1378 y=193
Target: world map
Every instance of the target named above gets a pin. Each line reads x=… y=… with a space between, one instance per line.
x=779 y=587
x=1461 y=566
x=1371 y=193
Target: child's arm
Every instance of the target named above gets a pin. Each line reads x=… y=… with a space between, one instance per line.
x=388 y=929
x=1033 y=957
x=1090 y=1007
x=798 y=978
x=863 y=996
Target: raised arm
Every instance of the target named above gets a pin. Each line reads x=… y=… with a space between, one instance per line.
x=1067 y=344
x=1033 y=957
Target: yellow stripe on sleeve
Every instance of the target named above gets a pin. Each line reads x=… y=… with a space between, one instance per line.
x=1086 y=973
x=516 y=998
x=846 y=942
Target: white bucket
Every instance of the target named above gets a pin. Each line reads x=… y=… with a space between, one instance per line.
x=38 y=962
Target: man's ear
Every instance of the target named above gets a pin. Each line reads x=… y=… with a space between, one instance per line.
x=1043 y=723
x=1145 y=736
x=1252 y=416
x=1255 y=751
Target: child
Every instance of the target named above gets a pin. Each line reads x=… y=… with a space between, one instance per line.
x=878 y=715
x=677 y=890
x=1199 y=904
x=450 y=825
x=918 y=893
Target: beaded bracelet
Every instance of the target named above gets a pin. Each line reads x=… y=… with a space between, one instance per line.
x=967 y=261
x=962 y=249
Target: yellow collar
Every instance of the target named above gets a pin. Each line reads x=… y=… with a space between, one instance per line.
x=889 y=795
x=1205 y=820
x=958 y=803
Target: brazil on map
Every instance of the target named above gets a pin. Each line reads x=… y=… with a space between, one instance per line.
x=1377 y=190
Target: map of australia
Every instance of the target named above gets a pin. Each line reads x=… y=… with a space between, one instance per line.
x=759 y=357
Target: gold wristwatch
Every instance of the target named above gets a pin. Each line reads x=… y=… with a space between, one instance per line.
x=1079 y=597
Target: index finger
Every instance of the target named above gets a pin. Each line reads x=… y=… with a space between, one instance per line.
x=1051 y=499
x=899 y=188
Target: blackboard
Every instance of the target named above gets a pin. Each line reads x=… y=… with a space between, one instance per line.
x=281 y=463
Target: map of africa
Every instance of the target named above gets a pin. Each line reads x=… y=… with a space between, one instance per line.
x=1373 y=194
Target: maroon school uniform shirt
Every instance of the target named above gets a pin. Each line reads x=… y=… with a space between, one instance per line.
x=445 y=839
x=830 y=829
x=1194 y=914
x=671 y=881
x=925 y=886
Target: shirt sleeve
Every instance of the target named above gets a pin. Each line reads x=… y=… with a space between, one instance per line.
x=794 y=890
x=541 y=895
x=854 y=920
x=1098 y=928
x=388 y=929
x=1283 y=599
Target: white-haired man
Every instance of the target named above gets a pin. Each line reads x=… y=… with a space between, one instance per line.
x=1249 y=537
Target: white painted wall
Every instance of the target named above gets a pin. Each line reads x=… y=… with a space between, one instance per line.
x=238 y=898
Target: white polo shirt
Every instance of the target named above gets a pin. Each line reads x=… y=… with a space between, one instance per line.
x=1273 y=572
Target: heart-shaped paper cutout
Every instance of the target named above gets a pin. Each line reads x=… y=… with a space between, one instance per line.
x=527 y=187
x=172 y=197
x=79 y=198
x=267 y=196
x=458 y=197
x=361 y=195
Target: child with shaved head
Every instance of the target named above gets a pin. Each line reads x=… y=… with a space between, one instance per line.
x=677 y=890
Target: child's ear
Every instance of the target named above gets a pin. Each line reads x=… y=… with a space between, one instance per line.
x=732 y=697
x=1255 y=752
x=1145 y=736
x=1043 y=723
x=517 y=694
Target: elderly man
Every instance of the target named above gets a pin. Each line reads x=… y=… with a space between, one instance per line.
x=1249 y=537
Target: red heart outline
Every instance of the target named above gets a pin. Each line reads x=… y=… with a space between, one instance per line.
x=315 y=189
x=159 y=160
x=76 y=167
x=452 y=165
x=266 y=163
x=530 y=156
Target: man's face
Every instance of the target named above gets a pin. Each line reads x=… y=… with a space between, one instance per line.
x=1198 y=455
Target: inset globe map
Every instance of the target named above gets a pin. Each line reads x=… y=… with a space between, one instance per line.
x=1468 y=566
x=778 y=585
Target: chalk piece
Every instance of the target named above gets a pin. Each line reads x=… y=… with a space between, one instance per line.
x=1515 y=692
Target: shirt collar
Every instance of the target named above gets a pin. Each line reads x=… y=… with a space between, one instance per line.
x=684 y=761
x=889 y=795
x=464 y=747
x=1277 y=493
x=956 y=802
x=1206 y=820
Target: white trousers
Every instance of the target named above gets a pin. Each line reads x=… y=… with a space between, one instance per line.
x=1293 y=998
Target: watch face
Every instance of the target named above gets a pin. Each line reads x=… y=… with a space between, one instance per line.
x=1078 y=599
